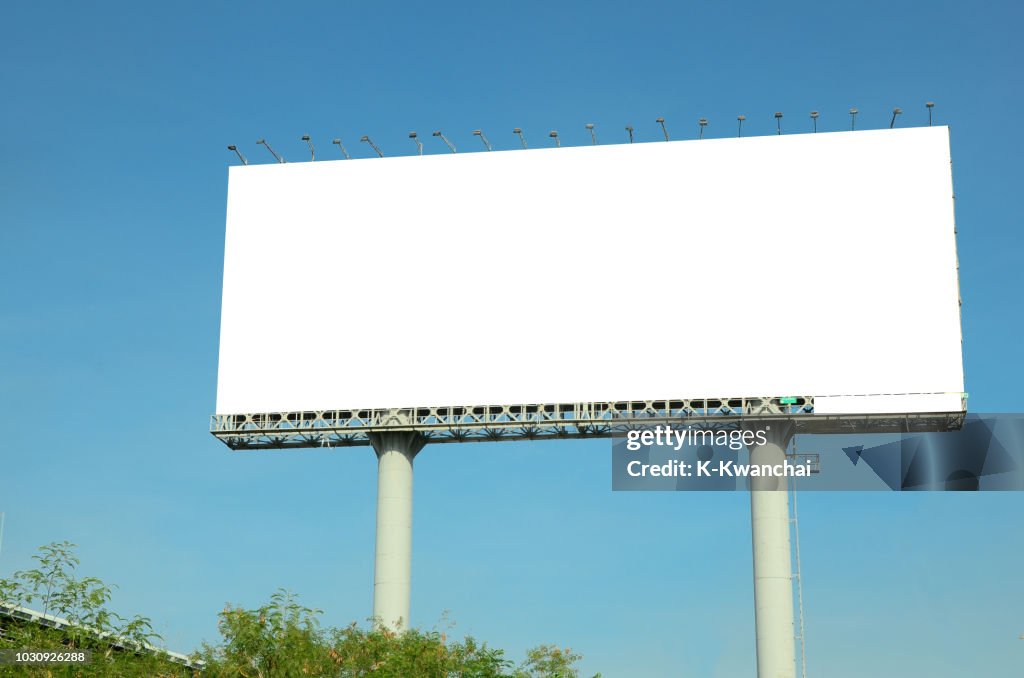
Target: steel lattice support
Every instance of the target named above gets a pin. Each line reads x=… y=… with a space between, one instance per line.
x=485 y=423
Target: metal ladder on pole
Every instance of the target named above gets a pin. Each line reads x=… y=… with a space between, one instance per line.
x=797 y=576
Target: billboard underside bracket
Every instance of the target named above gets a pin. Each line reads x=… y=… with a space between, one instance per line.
x=490 y=423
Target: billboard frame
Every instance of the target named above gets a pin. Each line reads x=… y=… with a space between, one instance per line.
x=491 y=423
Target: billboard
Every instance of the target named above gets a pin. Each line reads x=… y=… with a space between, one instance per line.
x=815 y=264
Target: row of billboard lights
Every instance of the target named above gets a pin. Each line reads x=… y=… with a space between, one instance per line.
x=701 y=124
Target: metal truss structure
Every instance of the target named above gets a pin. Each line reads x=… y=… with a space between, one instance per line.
x=488 y=423
x=10 y=613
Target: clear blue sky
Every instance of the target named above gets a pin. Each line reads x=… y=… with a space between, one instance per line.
x=113 y=123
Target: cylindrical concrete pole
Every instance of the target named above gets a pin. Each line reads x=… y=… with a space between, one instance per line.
x=773 y=569
x=393 y=558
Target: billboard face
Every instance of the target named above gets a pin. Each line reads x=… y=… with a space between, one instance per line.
x=815 y=264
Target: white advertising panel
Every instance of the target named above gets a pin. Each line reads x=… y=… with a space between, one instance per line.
x=814 y=264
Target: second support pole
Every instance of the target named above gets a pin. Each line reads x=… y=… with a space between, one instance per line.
x=392 y=568
x=773 y=566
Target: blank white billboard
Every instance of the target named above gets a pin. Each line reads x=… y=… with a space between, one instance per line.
x=815 y=264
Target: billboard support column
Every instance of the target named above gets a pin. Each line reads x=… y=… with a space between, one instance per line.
x=393 y=556
x=773 y=567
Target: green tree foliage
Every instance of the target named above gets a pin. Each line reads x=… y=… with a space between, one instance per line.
x=550 y=661
x=281 y=639
x=54 y=588
x=284 y=639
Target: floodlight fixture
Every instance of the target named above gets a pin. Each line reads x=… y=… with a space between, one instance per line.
x=238 y=153
x=276 y=156
x=593 y=135
x=930 y=105
x=661 y=121
x=629 y=128
x=895 y=112
x=483 y=138
x=739 y=125
x=309 y=142
x=419 y=144
x=554 y=135
x=368 y=140
x=702 y=123
x=522 y=139
x=853 y=119
x=344 y=152
x=778 y=122
x=445 y=140
x=814 y=120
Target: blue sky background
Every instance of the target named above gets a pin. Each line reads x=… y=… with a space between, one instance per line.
x=113 y=123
